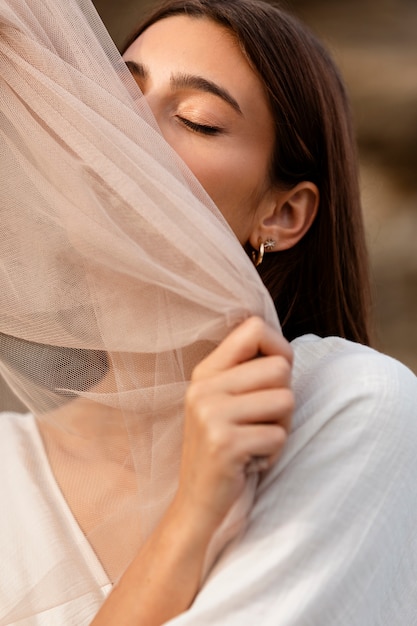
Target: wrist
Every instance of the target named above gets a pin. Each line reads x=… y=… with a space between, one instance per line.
x=192 y=522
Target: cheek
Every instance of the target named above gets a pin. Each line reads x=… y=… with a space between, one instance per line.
x=233 y=178
x=236 y=183
x=233 y=171
x=221 y=178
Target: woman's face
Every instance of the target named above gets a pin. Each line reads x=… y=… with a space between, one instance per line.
x=212 y=110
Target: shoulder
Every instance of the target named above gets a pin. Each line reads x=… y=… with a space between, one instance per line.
x=352 y=403
x=343 y=357
x=347 y=479
x=350 y=375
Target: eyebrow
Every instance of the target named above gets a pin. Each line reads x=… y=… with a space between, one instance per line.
x=137 y=69
x=188 y=81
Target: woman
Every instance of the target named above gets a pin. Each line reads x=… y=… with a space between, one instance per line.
x=264 y=127
x=303 y=100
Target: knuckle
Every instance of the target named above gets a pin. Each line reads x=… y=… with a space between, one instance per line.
x=205 y=414
x=198 y=372
x=191 y=394
x=288 y=401
x=256 y=324
x=204 y=408
x=218 y=441
x=279 y=436
x=282 y=367
x=284 y=402
x=195 y=395
x=280 y=441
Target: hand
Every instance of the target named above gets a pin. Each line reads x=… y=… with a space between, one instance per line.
x=238 y=406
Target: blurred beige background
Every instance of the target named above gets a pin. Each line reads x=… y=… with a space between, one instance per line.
x=375 y=44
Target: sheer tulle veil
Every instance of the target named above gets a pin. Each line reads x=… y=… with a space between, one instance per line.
x=117 y=276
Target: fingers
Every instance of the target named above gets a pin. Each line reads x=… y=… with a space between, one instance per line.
x=227 y=453
x=238 y=408
x=271 y=372
x=249 y=340
x=264 y=406
x=260 y=442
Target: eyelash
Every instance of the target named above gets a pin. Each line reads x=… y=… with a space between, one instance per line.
x=203 y=129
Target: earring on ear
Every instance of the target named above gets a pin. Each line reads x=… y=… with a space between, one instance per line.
x=258 y=256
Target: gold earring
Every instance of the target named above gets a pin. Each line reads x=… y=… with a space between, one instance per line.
x=258 y=256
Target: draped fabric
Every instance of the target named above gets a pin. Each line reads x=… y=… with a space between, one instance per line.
x=117 y=276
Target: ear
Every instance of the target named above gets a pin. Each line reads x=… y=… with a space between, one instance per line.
x=286 y=217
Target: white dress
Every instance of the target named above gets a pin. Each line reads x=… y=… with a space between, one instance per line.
x=331 y=540
x=37 y=530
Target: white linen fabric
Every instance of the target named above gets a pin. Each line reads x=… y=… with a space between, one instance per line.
x=38 y=531
x=332 y=536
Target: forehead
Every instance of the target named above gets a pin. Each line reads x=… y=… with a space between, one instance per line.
x=198 y=46
x=182 y=34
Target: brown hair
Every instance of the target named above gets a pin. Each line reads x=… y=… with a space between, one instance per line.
x=321 y=285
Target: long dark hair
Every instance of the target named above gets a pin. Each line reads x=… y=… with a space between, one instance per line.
x=321 y=285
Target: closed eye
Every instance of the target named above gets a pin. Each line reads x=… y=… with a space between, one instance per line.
x=203 y=129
